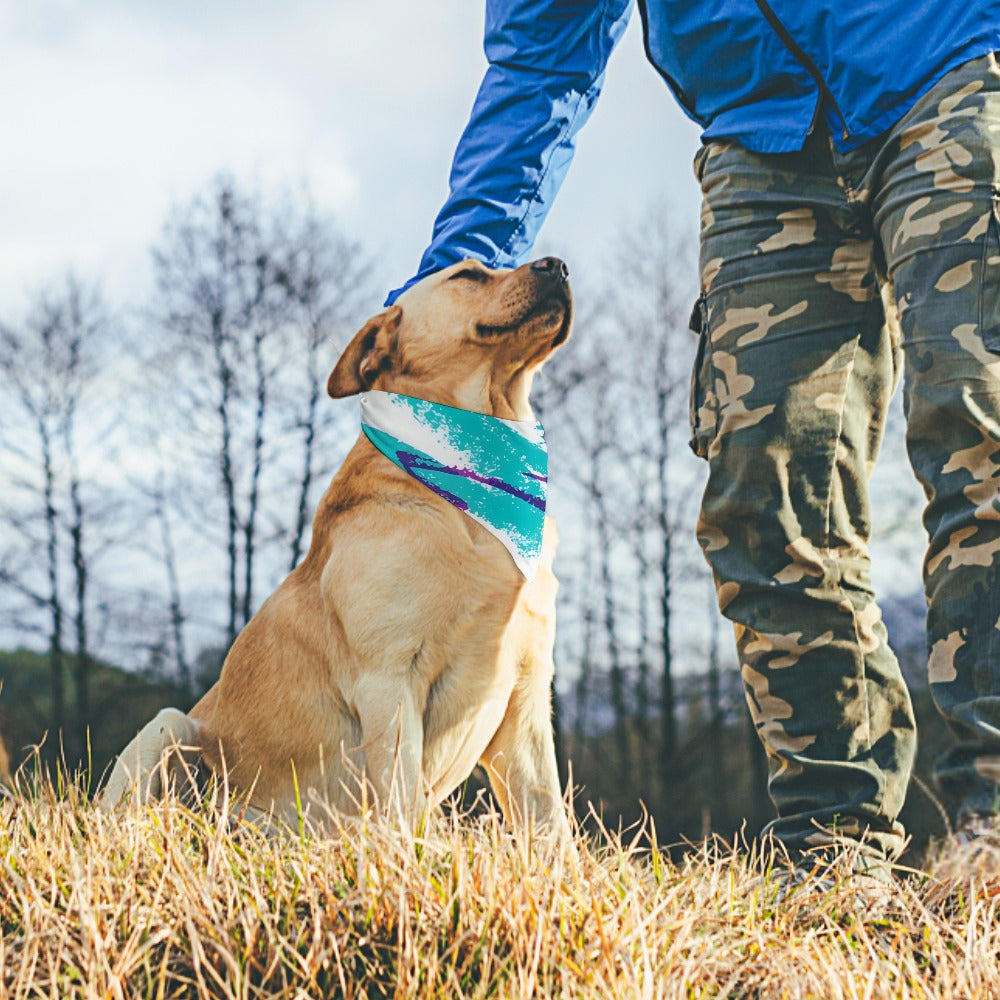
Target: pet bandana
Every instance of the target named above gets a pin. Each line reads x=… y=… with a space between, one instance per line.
x=495 y=470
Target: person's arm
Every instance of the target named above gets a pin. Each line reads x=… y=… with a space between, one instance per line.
x=546 y=67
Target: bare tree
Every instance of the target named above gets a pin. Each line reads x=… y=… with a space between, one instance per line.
x=645 y=580
x=329 y=283
x=651 y=304
x=619 y=440
x=83 y=322
x=599 y=496
x=177 y=616
x=49 y=363
x=253 y=297
x=220 y=309
x=569 y=384
x=42 y=410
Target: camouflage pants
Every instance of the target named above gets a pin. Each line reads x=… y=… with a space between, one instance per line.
x=796 y=368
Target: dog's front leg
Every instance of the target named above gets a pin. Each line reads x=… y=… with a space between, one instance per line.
x=521 y=762
x=392 y=732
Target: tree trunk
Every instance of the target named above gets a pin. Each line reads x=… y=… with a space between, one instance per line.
x=223 y=408
x=668 y=709
x=619 y=700
x=81 y=661
x=173 y=582
x=56 y=686
x=250 y=526
x=645 y=749
x=308 y=445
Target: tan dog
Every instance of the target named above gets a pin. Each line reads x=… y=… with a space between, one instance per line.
x=406 y=646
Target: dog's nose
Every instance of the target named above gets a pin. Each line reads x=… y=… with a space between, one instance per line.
x=552 y=266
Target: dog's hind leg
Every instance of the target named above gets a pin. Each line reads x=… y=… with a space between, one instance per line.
x=143 y=766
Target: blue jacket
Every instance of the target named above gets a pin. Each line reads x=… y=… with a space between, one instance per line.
x=760 y=72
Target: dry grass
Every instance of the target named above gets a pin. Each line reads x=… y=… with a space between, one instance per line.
x=179 y=902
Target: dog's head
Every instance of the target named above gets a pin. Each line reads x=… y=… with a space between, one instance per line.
x=467 y=336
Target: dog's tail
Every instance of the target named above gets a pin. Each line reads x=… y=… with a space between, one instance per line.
x=163 y=751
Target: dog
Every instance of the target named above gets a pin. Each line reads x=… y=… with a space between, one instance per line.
x=407 y=647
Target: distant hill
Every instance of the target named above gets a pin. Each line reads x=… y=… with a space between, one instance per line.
x=121 y=702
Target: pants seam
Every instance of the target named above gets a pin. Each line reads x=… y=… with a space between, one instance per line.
x=828 y=551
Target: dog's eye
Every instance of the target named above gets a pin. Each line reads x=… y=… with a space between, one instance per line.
x=471 y=274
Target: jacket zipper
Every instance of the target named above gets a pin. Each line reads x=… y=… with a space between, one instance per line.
x=810 y=67
x=678 y=93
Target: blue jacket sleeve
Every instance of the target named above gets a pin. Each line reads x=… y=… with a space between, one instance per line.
x=546 y=66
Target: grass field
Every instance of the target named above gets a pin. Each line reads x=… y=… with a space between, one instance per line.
x=178 y=902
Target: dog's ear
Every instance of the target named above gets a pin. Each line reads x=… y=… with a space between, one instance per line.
x=371 y=351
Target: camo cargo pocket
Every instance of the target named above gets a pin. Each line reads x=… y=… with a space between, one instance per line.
x=702 y=414
x=989 y=288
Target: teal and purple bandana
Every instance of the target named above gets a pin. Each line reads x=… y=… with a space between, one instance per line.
x=495 y=470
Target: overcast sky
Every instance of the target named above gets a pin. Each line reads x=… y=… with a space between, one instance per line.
x=113 y=110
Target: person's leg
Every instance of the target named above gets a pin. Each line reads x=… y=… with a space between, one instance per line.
x=937 y=208
x=789 y=405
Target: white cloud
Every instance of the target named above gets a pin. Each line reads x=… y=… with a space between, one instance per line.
x=114 y=110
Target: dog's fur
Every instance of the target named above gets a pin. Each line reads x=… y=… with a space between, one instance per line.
x=406 y=647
